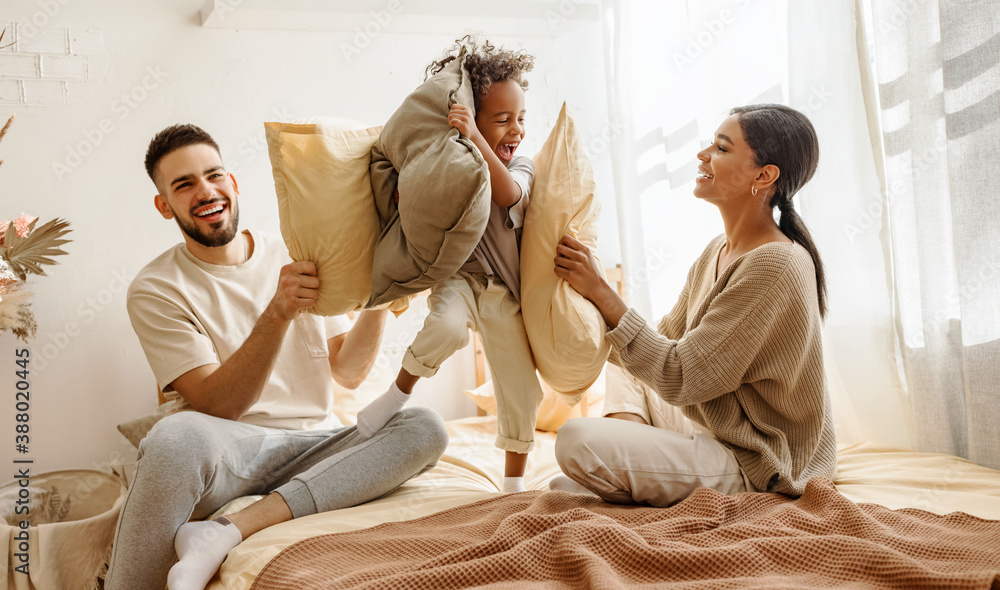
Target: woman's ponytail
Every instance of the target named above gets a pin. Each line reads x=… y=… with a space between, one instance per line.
x=784 y=137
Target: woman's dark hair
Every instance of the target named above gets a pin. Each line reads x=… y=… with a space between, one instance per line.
x=784 y=137
x=486 y=64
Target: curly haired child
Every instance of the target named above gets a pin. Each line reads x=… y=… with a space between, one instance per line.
x=485 y=294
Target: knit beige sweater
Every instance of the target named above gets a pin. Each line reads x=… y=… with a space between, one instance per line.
x=743 y=357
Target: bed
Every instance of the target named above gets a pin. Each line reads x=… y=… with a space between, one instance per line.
x=835 y=536
x=891 y=519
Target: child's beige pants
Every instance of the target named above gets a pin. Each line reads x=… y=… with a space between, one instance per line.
x=483 y=303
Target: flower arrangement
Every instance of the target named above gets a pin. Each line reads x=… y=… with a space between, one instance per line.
x=24 y=250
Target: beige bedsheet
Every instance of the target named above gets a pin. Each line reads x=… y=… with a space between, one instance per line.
x=472 y=470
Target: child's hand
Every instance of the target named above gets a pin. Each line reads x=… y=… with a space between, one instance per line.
x=460 y=117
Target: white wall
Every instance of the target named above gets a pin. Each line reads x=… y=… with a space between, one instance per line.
x=125 y=70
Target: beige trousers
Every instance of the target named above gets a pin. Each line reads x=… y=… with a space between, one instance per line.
x=631 y=463
x=484 y=304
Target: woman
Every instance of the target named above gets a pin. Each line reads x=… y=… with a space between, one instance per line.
x=741 y=352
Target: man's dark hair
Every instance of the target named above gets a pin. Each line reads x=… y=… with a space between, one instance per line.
x=174 y=138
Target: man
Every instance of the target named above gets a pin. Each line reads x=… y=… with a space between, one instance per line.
x=220 y=320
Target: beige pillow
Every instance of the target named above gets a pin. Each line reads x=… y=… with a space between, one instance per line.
x=555 y=409
x=136 y=429
x=325 y=205
x=444 y=190
x=566 y=331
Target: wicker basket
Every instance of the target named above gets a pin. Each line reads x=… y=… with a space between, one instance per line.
x=70 y=525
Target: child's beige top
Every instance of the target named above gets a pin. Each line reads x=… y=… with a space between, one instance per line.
x=498 y=252
x=743 y=356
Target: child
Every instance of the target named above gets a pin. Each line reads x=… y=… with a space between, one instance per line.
x=485 y=294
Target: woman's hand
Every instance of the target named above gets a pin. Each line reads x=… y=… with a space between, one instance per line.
x=578 y=266
x=460 y=117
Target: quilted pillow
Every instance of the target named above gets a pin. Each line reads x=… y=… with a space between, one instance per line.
x=566 y=331
x=325 y=205
x=444 y=189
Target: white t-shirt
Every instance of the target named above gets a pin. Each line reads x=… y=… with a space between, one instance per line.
x=188 y=313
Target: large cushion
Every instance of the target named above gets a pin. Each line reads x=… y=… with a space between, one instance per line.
x=325 y=205
x=444 y=190
x=566 y=331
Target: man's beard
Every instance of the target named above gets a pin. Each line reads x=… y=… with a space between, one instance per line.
x=220 y=236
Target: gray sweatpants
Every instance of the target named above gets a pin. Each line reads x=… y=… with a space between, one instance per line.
x=191 y=464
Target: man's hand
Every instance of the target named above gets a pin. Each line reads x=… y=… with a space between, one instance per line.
x=460 y=117
x=298 y=288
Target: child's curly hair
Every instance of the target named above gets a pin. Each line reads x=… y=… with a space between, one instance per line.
x=486 y=64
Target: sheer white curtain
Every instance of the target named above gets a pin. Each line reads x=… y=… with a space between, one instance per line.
x=938 y=69
x=688 y=64
x=676 y=68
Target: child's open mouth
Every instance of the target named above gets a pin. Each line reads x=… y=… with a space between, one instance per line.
x=506 y=150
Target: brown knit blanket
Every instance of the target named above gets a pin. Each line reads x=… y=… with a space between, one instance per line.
x=710 y=540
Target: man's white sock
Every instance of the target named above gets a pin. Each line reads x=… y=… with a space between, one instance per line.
x=374 y=416
x=201 y=547
x=513 y=485
x=562 y=483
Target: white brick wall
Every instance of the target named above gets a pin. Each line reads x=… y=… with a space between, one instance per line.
x=45 y=40
x=10 y=91
x=44 y=92
x=86 y=43
x=49 y=65
x=69 y=67
x=17 y=65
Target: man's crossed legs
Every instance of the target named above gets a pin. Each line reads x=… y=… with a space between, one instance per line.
x=191 y=464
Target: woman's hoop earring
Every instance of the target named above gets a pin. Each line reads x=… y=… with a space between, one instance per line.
x=753 y=190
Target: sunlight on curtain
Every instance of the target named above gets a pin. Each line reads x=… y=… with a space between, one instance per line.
x=938 y=66
x=691 y=63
